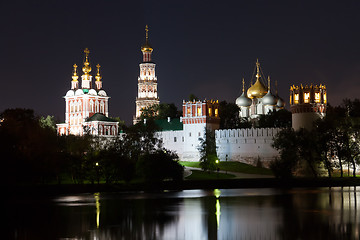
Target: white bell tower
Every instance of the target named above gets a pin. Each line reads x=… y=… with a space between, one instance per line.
x=147 y=80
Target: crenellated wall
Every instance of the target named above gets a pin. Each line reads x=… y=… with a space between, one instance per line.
x=248 y=145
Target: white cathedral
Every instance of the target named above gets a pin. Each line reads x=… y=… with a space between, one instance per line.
x=86 y=111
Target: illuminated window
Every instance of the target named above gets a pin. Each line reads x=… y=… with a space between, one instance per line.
x=199 y=111
x=216 y=112
x=290 y=99
x=307 y=97
x=188 y=111
x=317 y=97
x=296 y=98
x=210 y=112
x=325 y=98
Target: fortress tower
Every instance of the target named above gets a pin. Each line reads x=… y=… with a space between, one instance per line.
x=147 y=81
x=307 y=104
x=198 y=115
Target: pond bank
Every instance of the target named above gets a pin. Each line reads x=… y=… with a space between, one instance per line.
x=178 y=186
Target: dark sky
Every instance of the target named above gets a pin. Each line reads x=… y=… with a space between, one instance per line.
x=200 y=47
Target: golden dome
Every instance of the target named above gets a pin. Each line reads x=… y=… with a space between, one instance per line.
x=146 y=47
x=257 y=90
x=87 y=68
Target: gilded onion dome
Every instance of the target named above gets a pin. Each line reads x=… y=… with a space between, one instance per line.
x=146 y=47
x=269 y=99
x=257 y=90
x=87 y=68
x=243 y=100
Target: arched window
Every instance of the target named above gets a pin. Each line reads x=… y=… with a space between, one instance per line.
x=102 y=107
x=96 y=106
x=71 y=106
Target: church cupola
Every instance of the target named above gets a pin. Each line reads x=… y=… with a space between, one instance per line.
x=257 y=90
x=146 y=48
x=75 y=77
x=269 y=99
x=98 y=81
x=86 y=77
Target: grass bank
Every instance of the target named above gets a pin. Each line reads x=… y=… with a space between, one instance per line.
x=201 y=175
x=233 y=167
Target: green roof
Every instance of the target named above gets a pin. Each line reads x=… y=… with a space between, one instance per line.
x=99 y=117
x=173 y=125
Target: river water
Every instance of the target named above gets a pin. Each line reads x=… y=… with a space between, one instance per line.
x=321 y=213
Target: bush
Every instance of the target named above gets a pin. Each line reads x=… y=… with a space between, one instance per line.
x=159 y=166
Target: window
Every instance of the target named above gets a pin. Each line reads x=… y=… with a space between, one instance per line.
x=296 y=98
x=210 y=111
x=317 y=97
x=189 y=134
x=199 y=111
x=182 y=139
x=199 y=134
x=174 y=139
x=306 y=97
x=188 y=111
x=325 y=98
x=216 y=112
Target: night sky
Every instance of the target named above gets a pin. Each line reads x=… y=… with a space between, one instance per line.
x=200 y=47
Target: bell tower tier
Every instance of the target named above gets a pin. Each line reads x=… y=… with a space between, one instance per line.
x=147 y=81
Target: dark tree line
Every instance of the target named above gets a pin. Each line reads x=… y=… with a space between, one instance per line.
x=332 y=144
x=33 y=153
x=230 y=119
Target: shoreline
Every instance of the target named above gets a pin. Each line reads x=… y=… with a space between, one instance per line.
x=51 y=190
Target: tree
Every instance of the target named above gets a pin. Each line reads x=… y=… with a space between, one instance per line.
x=286 y=142
x=207 y=150
x=159 y=165
x=160 y=111
x=275 y=119
x=48 y=122
x=229 y=115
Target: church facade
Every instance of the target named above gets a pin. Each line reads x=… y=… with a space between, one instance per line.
x=86 y=105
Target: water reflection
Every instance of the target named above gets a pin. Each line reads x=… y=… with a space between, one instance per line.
x=195 y=214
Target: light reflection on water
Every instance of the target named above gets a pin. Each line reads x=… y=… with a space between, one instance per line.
x=321 y=213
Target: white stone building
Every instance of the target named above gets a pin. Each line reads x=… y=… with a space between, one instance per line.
x=86 y=108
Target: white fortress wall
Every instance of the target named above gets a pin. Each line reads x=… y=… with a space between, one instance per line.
x=172 y=140
x=247 y=145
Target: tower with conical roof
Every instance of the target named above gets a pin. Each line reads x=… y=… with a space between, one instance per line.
x=147 y=80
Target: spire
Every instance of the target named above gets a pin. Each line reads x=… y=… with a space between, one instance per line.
x=146 y=48
x=74 y=82
x=276 y=88
x=257 y=69
x=243 y=82
x=86 y=69
x=75 y=76
x=98 y=82
x=269 y=83
x=98 y=77
x=146 y=33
